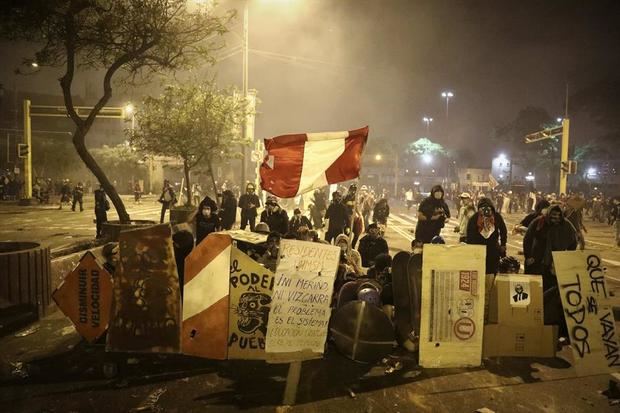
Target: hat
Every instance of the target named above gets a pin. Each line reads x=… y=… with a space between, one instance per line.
x=465 y=195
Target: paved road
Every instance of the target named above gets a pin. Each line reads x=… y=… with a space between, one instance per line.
x=54 y=228
x=600 y=237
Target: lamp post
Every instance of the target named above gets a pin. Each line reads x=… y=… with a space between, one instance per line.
x=447 y=95
x=428 y=121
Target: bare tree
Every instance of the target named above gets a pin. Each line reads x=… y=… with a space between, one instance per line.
x=136 y=38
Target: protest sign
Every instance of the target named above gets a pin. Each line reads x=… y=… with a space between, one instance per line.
x=251 y=285
x=85 y=297
x=452 y=307
x=246 y=236
x=588 y=311
x=206 y=298
x=146 y=300
x=300 y=308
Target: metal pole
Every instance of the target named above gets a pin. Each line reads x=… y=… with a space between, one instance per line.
x=8 y=149
x=447 y=107
x=396 y=175
x=244 y=126
x=28 y=160
x=564 y=159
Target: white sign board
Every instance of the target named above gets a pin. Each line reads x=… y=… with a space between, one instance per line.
x=588 y=311
x=300 y=307
x=452 y=312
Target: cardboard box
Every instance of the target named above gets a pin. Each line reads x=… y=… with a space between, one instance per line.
x=514 y=300
x=518 y=341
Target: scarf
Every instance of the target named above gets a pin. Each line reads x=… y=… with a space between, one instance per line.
x=486 y=225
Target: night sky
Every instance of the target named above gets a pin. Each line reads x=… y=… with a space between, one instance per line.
x=385 y=63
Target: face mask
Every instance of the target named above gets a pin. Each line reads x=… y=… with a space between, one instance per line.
x=343 y=247
x=486 y=211
x=417 y=250
x=438 y=195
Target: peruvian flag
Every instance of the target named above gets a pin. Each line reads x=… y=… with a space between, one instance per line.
x=295 y=164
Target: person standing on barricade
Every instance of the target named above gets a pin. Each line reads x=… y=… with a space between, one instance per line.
x=248 y=203
x=487 y=227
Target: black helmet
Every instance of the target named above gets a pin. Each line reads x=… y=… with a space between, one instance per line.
x=509 y=265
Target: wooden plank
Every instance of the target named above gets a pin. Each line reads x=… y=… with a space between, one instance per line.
x=24 y=286
x=452 y=321
x=588 y=311
x=292 y=382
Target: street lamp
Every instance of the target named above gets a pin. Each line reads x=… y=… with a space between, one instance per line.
x=447 y=95
x=378 y=157
x=427 y=158
x=428 y=121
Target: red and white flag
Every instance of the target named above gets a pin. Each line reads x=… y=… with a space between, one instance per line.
x=295 y=164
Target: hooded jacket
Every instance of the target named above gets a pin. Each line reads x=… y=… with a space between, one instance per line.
x=540 y=205
x=428 y=228
x=543 y=237
x=498 y=238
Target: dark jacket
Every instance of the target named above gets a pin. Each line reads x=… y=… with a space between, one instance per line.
x=206 y=225
x=277 y=221
x=542 y=238
x=381 y=212
x=337 y=215
x=370 y=247
x=102 y=205
x=244 y=203
x=498 y=238
x=540 y=205
x=173 y=196
x=295 y=223
x=427 y=229
x=228 y=210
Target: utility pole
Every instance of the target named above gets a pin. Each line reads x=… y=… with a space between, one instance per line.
x=245 y=47
x=564 y=169
x=395 y=173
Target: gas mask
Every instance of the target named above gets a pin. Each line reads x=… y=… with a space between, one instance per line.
x=486 y=210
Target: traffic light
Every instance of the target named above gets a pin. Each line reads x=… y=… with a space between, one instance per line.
x=22 y=150
x=565 y=167
x=572 y=167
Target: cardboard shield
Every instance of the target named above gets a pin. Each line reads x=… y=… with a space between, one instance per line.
x=362 y=332
x=85 y=297
x=146 y=301
x=251 y=285
x=206 y=298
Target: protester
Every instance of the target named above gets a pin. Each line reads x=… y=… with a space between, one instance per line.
x=167 y=199
x=615 y=219
x=274 y=216
x=547 y=233
x=432 y=214
x=318 y=208
x=249 y=203
x=381 y=212
x=371 y=245
x=228 y=209
x=541 y=208
x=337 y=218
x=270 y=257
x=65 y=193
x=466 y=211
x=78 y=197
x=409 y=198
x=298 y=221
x=487 y=227
x=207 y=221
x=137 y=193
x=353 y=257
x=101 y=209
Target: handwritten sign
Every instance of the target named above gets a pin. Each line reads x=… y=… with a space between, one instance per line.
x=246 y=236
x=85 y=297
x=588 y=311
x=452 y=310
x=300 y=308
x=251 y=285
